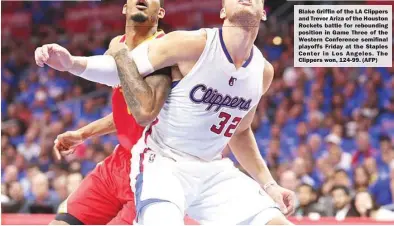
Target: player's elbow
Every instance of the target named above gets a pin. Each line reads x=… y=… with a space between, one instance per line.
x=144 y=118
x=143 y=121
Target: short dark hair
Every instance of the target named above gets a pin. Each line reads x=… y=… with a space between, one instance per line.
x=341 y=187
x=341 y=171
x=384 y=138
x=313 y=190
x=161 y=3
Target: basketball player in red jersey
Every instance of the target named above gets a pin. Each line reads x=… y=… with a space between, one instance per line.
x=105 y=196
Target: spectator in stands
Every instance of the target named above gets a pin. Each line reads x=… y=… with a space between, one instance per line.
x=365 y=206
x=370 y=166
x=59 y=184
x=341 y=178
x=383 y=189
x=301 y=170
x=308 y=204
x=74 y=167
x=361 y=179
x=315 y=120
x=88 y=163
x=341 y=199
x=325 y=170
x=325 y=197
x=387 y=118
x=273 y=156
x=29 y=149
x=10 y=174
x=289 y=180
x=315 y=145
x=4 y=194
x=43 y=200
x=73 y=181
x=31 y=171
x=334 y=156
x=44 y=160
x=17 y=202
x=386 y=158
x=364 y=149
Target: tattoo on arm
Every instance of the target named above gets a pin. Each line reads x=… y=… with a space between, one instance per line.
x=142 y=95
x=133 y=85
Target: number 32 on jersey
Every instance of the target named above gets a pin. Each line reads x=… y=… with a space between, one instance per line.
x=225 y=118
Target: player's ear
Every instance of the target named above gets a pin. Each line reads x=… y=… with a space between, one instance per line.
x=222 y=13
x=124 y=9
x=264 y=15
x=162 y=13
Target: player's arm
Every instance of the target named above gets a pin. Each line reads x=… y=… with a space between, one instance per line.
x=100 y=69
x=65 y=143
x=174 y=48
x=243 y=139
x=244 y=147
x=103 y=126
x=145 y=97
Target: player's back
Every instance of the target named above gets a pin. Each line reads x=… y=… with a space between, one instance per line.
x=205 y=107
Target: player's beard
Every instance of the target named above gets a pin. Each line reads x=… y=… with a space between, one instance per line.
x=245 y=19
x=139 y=18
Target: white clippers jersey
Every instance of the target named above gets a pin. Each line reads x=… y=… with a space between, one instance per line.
x=204 y=108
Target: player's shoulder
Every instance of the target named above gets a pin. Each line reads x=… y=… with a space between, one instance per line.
x=117 y=39
x=190 y=43
x=195 y=38
x=258 y=54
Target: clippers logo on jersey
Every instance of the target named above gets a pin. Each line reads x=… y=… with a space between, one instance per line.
x=152 y=157
x=232 y=81
x=200 y=94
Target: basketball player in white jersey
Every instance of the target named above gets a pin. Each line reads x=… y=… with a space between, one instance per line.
x=177 y=164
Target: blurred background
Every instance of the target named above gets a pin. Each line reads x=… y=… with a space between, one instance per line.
x=326 y=133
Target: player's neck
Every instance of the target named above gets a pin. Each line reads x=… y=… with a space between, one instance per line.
x=135 y=35
x=239 y=42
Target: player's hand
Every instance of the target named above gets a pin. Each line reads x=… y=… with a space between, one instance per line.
x=116 y=48
x=66 y=143
x=55 y=56
x=283 y=197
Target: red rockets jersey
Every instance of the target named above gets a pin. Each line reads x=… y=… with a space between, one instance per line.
x=128 y=130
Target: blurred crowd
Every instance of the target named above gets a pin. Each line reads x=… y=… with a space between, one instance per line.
x=326 y=133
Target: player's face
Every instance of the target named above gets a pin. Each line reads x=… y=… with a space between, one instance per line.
x=141 y=11
x=235 y=10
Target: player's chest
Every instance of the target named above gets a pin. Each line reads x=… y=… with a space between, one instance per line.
x=230 y=86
